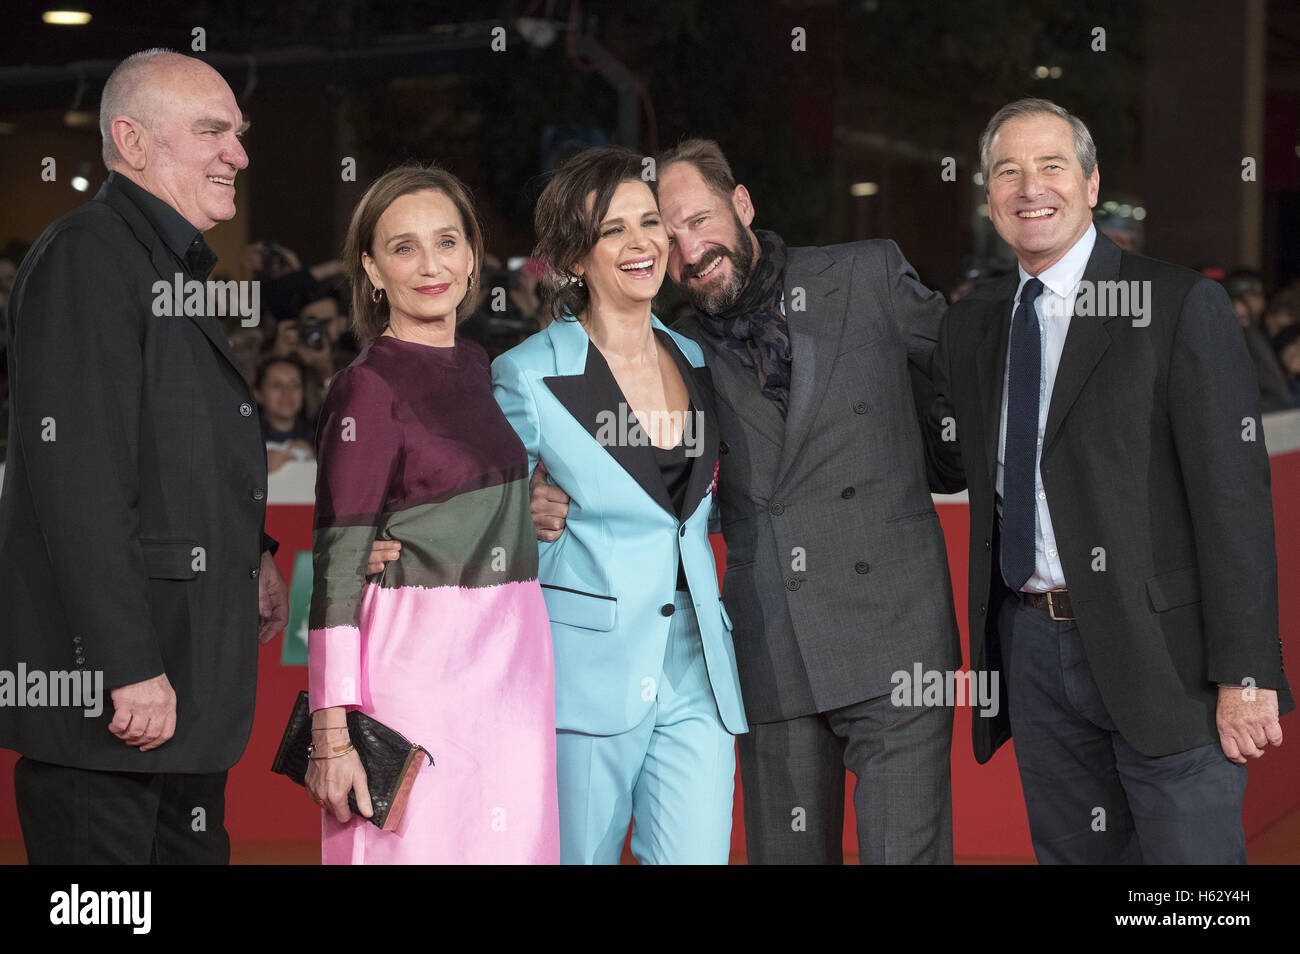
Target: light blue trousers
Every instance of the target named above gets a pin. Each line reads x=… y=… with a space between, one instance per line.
x=673 y=775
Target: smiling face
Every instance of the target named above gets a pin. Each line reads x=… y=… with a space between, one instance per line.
x=626 y=265
x=712 y=250
x=281 y=392
x=190 y=153
x=421 y=258
x=1040 y=202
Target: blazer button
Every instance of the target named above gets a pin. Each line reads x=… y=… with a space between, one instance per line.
x=258 y=494
x=724 y=447
x=847 y=493
x=792 y=585
x=862 y=567
x=246 y=409
x=776 y=509
x=667 y=609
x=252 y=574
x=860 y=407
x=987 y=546
x=982 y=609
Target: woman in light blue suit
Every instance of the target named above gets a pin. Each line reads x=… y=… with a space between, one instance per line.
x=617 y=408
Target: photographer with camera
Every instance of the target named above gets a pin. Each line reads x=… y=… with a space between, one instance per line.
x=286 y=286
x=308 y=339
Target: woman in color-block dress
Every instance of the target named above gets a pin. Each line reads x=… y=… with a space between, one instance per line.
x=450 y=645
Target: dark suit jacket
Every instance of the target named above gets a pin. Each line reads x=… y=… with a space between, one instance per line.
x=1153 y=458
x=156 y=452
x=837 y=575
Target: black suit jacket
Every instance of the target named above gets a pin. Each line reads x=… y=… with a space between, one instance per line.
x=1157 y=479
x=132 y=510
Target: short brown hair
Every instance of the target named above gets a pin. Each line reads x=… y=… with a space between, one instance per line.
x=370 y=318
x=707 y=158
x=567 y=230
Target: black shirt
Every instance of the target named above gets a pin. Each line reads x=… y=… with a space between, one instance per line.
x=182 y=238
x=675 y=468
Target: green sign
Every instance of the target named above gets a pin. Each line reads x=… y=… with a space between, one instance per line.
x=295 y=634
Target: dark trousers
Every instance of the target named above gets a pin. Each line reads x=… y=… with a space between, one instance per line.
x=1091 y=797
x=792 y=774
x=73 y=816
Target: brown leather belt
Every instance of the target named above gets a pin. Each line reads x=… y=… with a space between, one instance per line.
x=1055 y=603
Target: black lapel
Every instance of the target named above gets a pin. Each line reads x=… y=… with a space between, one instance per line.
x=991 y=366
x=699 y=383
x=595 y=399
x=166 y=266
x=816 y=278
x=1085 y=342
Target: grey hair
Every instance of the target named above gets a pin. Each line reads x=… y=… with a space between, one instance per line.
x=121 y=97
x=1085 y=150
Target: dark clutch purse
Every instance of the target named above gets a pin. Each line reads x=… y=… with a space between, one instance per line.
x=390 y=760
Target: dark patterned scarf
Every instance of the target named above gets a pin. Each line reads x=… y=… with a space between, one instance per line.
x=753 y=328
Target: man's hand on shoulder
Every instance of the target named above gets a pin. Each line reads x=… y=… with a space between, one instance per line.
x=144 y=713
x=1247 y=721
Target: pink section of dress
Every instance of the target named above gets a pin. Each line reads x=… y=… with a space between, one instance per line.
x=436 y=664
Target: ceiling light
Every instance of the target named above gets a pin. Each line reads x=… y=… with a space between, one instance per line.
x=66 y=17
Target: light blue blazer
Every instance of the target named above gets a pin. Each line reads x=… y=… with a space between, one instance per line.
x=610 y=578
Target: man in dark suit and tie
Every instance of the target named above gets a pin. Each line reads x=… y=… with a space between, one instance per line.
x=837 y=575
x=1122 y=568
x=131 y=540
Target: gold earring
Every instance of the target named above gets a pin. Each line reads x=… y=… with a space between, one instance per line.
x=377 y=295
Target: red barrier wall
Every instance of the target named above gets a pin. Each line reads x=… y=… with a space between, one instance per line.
x=988 y=809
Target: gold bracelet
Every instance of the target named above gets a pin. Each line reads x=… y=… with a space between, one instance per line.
x=321 y=758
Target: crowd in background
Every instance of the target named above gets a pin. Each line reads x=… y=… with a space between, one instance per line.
x=1272 y=329
x=304 y=337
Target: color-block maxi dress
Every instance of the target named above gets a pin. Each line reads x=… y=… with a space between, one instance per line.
x=450 y=645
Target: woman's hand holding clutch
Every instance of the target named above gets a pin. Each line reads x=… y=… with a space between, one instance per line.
x=334 y=768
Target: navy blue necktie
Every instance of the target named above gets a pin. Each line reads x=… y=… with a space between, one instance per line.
x=1020 y=456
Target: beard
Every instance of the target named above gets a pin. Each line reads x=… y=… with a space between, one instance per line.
x=711 y=300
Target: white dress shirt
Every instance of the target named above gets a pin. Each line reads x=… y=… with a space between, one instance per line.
x=1054 y=307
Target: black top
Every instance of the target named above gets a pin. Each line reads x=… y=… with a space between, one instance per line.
x=182 y=238
x=675 y=468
